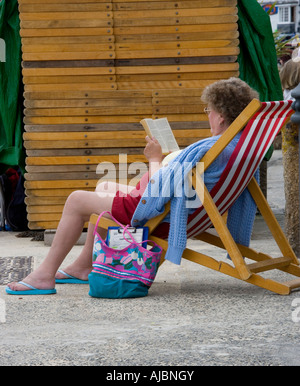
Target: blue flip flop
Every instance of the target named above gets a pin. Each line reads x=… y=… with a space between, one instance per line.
x=31 y=291
x=70 y=279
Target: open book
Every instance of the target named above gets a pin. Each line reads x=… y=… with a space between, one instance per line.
x=161 y=130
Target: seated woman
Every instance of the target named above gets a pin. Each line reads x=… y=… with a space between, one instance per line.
x=225 y=100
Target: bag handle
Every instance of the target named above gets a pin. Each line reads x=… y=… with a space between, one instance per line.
x=125 y=230
x=142 y=242
x=97 y=222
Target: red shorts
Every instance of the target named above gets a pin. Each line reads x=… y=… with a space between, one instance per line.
x=124 y=206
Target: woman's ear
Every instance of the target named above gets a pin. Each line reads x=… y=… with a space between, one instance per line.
x=221 y=120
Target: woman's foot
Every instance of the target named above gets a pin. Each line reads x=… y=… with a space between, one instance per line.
x=36 y=279
x=73 y=271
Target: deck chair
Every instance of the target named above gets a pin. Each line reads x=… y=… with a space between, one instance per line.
x=261 y=123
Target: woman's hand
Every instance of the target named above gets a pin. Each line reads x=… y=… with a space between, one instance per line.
x=154 y=155
x=153 y=151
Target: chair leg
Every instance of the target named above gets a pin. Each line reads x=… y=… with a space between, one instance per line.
x=271 y=221
x=222 y=230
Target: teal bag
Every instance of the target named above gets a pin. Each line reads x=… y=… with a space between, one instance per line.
x=122 y=273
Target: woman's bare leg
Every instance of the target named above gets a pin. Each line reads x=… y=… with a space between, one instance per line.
x=82 y=266
x=78 y=208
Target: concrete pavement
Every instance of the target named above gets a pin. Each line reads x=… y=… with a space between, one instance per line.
x=192 y=316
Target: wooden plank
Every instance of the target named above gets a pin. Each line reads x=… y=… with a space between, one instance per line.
x=104 y=151
x=186 y=125
x=170 y=45
x=216 y=51
x=45 y=194
x=163 y=84
x=83 y=119
x=64 y=32
x=87 y=87
x=43 y=56
x=36 y=201
x=178 y=109
x=111 y=63
x=62 y=7
x=293 y=284
x=82 y=39
x=108 y=143
x=67 y=184
x=86 y=160
x=178 y=69
x=178 y=29
x=214 y=3
x=60 y=47
x=58 y=185
x=123 y=143
x=178 y=61
x=106 y=174
x=269 y=264
x=62 y=169
x=56 y=16
x=44 y=209
x=68 y=79
x=133 y=135
x=93 y=94
x=177 y=100
x=40 y=72
x=126 y=110
x=134 y=5
x=44 y=217
x=211 y=19
x=51 y=103
x=78 y=23
x=212 y=76
x=62 y=1
x=192 y=92
x=217 y=12
x=40 y=225
x=191 y=36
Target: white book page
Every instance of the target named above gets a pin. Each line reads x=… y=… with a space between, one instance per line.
x=162 y=131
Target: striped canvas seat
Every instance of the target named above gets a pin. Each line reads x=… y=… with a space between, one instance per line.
x=255 y=141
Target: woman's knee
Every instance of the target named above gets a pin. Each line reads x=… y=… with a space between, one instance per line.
x=75 y=200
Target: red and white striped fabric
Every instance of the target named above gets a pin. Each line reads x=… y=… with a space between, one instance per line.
x=256 y=139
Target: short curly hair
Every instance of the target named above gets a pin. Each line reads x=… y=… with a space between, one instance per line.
x=229 y=97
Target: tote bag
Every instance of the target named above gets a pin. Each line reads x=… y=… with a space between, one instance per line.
x=122 y=273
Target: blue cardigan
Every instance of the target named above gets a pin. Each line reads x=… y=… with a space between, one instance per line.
x=240 y=216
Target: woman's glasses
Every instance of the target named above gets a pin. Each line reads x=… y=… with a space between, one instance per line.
x=207 y=110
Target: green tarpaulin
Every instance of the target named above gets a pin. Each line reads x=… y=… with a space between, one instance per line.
x=11 y=90
x=257 y=58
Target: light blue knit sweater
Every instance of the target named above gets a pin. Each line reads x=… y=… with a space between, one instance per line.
x=157 y=194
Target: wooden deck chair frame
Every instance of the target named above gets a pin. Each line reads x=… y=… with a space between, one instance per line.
x=240 y=270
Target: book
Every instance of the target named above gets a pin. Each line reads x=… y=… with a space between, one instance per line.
x=161 y=130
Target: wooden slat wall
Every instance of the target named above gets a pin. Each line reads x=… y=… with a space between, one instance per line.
x=92 y=69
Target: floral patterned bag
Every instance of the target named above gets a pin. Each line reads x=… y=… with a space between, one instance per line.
x=122 y=273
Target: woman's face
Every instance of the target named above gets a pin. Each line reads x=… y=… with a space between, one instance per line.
x=216 y=121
